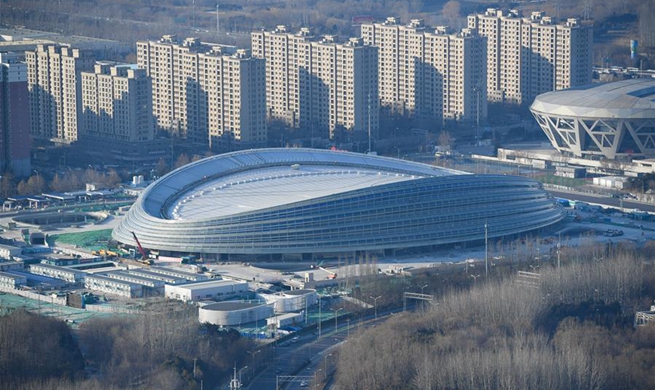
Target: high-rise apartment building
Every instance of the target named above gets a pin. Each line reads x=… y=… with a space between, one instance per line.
x=288 y=66
x=53 y=74
x=116 y=103
x=15 y=140
x=318 y=82
x=429 y=73
x=530 y=56
x=206 y=93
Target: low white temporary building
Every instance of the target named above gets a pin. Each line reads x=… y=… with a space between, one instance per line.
x=234 y=313
x=70 y=275
x=205 y=290
x=105 y=285
x=286 y=319
x=11 y=280
x=292 y=301
x=8 y=251
x=616 y=182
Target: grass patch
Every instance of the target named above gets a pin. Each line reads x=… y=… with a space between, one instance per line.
x=91 y=240
x=562 y=181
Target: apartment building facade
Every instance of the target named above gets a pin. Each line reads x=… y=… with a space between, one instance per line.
x=15 y=140
x=54 y=90
x=206 y=93
x=530 y=56
x=116 y=103
x=429 y=73
x=319 y=82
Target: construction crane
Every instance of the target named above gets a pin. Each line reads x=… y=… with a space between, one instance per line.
x=144 y=254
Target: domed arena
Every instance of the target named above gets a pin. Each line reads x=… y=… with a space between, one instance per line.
x=609 y=120
x=308 y=201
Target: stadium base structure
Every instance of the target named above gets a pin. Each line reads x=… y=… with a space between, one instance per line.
x=614 y=121
x=307 y=201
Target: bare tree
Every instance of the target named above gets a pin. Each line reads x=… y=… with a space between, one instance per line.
x=181 y=161
x=162 y=168
x=445 y=141
x=7 y=185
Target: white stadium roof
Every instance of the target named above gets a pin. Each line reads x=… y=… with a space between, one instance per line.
x=628 y=99
x=274 y=186
x=254 y=180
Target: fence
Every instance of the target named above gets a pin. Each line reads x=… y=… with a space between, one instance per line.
x=54 y=299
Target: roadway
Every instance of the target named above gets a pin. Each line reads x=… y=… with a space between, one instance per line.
x=473 y=166
x=311 y=360
x=298 y=361
x=602 y=200
x=477 y=166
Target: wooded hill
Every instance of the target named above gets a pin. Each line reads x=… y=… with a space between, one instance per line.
x=154 y=350
x=571 y=330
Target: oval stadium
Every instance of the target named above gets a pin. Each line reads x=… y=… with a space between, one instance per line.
x=612 y=120
x=308 y=201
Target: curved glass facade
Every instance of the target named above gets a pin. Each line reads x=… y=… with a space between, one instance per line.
x=430 y=207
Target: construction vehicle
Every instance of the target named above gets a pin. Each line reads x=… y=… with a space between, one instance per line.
x=105 y=253
x=144 y=255
x=191 y=259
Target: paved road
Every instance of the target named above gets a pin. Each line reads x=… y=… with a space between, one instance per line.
x=299 y=361
x=604 y=200
x=308 y=358
x=476 y=166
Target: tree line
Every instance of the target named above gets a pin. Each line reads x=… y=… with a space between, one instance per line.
x=147 y=19
x=157 y=349
x=76 y=179
x=573 y=329
x=71 y=180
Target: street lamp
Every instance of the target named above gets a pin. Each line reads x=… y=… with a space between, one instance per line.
x=253 y=357
x=486 y=250
x=534 y=268
x=336 y=317
x=241 y=369
x=375 y=302
x=325 y=362
x=422 y=287
x=475 y=278
x=316 y=378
